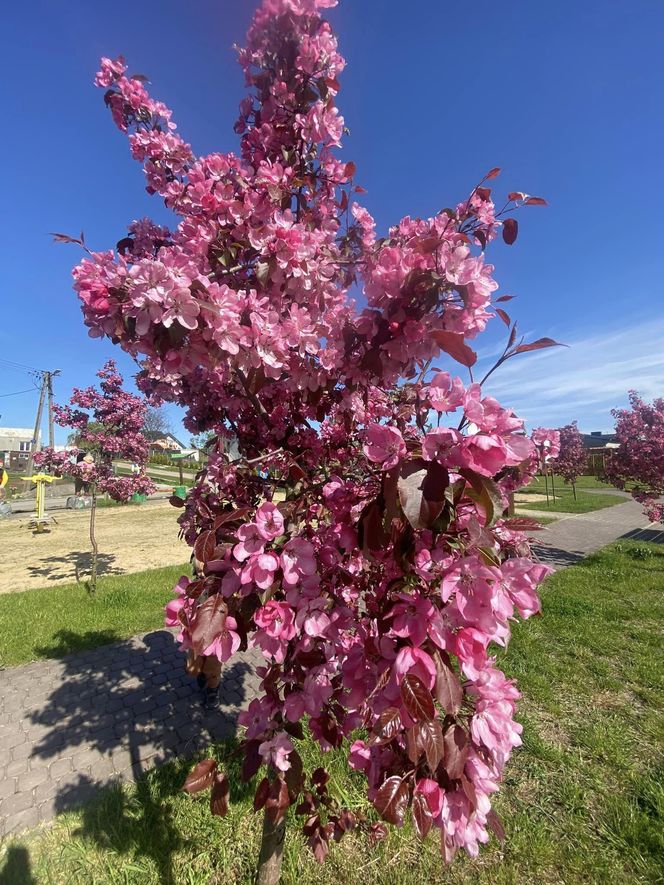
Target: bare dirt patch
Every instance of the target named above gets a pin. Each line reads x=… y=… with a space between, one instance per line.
x=130 y=539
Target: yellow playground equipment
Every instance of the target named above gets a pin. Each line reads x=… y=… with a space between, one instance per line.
x=40 y=518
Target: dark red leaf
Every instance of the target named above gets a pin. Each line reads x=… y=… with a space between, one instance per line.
x=295 y=775
x=493 y=173
x=208 y=623
x=540 y=344
x=505 y=298
x=231 y=516
x=320 y=777
x=505 y=317
x=512 y=337
x=260 y=797
x=176 y=501
x=422 y=817
x=421 y=486
x=277 y=801
x=205 y=545
x=387 y=726
x=449 y=692
x=429 y=736
x=318 y=840
x=220 y=795
x=516 y=196
x=454 y=344
x=417 y=698
x=391 y=801
x=496 y=825
x=456 y=751
x=535 y=201
x=510 y=230
x=350 y=169
x=252 y=760
x=65 y=238
x=371 y=534
x=201 y=776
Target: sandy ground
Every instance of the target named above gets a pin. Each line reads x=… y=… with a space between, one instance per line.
x=130 y=539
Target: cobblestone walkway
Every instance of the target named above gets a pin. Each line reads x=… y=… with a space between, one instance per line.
x=71 y=726
x=570 y=539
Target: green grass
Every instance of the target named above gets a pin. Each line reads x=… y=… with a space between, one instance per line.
x=54 y=621
x=565 y=502
x=582 y=801
x=583 y=482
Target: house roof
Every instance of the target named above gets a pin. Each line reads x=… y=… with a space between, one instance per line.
x=154 y=435
x=598 y=440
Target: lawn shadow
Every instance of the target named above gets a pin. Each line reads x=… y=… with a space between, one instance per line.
x=68 y=642
x=73 y=565
x=16 y=868
x=141 y=824
x=555 y=556
x=117 y=711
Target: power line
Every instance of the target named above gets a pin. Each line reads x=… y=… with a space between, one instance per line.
x=15 y=365
x=16 y=392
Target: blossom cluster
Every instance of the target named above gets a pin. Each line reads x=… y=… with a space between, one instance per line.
x=572 y=459
x=638 y=463
x=108 y=424
x=359 y=540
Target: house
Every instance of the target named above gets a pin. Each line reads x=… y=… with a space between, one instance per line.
x=598 y=445
x=15 y=445
x=163 y=443
x=599 y=440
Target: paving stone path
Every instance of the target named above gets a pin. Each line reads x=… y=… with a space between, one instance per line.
x=568 y=540
x=73 y=725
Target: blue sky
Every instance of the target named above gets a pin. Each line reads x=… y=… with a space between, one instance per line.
x=565 y=97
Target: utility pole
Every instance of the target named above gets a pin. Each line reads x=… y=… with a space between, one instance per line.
x=51 y=432
x=46 y=387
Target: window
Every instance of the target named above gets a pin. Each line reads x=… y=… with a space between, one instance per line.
x=24 y=447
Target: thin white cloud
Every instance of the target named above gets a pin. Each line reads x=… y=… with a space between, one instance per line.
x=585 y=381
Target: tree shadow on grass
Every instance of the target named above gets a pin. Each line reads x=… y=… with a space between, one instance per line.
x=141 y=821
x=74 y=565
x=67 y=642
x=16 y=868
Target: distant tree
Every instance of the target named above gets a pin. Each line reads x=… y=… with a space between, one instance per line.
x=639 y=460
x=201 y=440
x=572 y=459
x=107 y=425
x=156 y=421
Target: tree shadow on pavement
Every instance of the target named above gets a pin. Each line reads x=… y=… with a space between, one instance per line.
x=555 y=556
x=120 y=709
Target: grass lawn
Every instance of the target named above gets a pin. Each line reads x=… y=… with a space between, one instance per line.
x=54 y=621
x=582 y=801
x=564 y=502
x=583 y=482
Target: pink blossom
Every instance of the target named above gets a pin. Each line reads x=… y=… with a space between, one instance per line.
x=445 y=393
x=250 y=542
x=269 y=521
x=226 y=643
x=483 y=453
x=444 y=445
x=276 y=751
x=297 y=561
x=384 y=445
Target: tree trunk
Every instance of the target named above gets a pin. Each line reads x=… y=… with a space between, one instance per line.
x=93 y=540
x=574 y=489
x=272 y=850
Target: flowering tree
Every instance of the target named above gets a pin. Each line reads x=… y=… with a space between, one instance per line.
x=108 y=425
x=572 y=459
x=639 y=460
x=376 y=584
